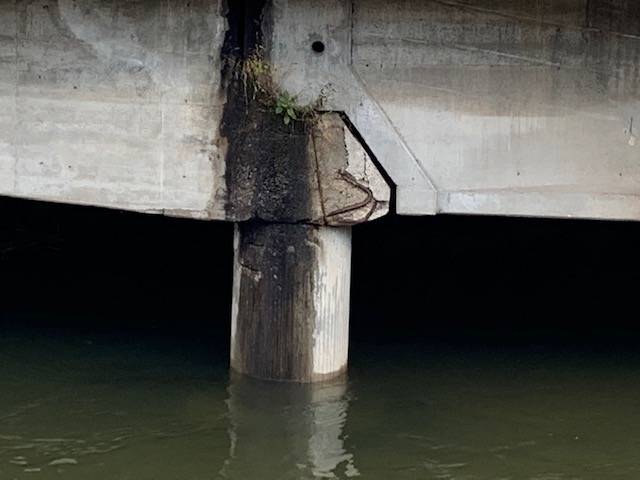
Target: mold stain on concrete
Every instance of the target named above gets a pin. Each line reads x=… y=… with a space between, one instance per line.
x=270 y=340
x=267 y=162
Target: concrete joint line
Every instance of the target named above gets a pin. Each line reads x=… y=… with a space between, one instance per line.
x=330 y=75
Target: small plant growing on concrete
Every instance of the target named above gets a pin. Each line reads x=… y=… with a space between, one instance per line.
x=286 y=105
x=257 y=77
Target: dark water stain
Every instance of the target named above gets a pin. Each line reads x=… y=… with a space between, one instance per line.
x=267 y=162
x=271 y=341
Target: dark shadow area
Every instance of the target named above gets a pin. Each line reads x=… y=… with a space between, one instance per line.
x=481 y=348
x=493 y=279
x=88 y=268
x=478 y=279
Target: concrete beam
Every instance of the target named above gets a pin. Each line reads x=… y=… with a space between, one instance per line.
x=295 y=26
x=482 y=108
x=113 y=104
x=514 y=108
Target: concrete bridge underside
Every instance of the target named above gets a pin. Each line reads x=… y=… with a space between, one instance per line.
x=460 y=106
x=479 y=107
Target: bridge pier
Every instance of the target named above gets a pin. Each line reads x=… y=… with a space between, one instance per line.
x=290 y=315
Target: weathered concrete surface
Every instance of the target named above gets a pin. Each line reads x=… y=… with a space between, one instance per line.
x=113 y=103
x=295 y=25
x=290 y=315
x=470 y=106
x=120 y=104
x=312 y=171
x=508 y=107
x=518 y=107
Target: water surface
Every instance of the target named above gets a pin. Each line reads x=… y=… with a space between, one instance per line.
x=141 y=407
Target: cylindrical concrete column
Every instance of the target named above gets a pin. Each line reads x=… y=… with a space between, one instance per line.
x=290 y=315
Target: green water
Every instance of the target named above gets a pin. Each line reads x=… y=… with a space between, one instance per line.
x=98 y=407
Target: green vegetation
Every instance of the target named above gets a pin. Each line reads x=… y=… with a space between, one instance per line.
x=257 y=78
x=286 y=105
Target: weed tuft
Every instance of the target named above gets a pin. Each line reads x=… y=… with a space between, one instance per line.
x=256 y=75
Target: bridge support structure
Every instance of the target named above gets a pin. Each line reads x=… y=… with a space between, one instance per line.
x=290 y=315
x=295 y=196
x=295 y=184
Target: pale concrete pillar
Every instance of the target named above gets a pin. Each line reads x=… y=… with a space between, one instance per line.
x=290 y=315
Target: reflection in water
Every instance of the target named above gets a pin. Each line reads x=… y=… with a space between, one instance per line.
x=283 y=427
x=78 y=408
